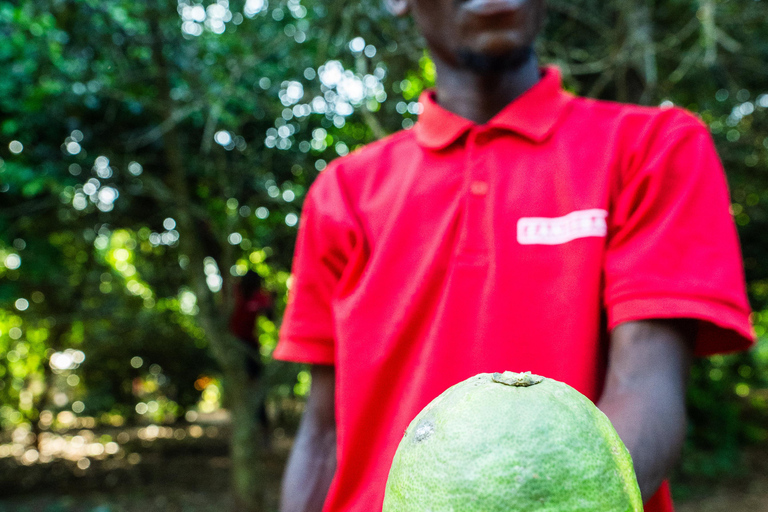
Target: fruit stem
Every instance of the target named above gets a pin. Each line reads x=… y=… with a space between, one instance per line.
x=517 y=379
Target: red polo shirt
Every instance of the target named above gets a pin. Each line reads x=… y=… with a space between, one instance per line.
x=455 y=248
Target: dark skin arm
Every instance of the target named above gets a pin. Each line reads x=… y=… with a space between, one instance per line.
x=644 y=395
x=312 y=463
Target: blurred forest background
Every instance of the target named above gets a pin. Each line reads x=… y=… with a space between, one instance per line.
x=153 y=152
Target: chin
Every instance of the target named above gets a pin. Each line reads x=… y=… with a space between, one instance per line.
x=498 y=42
x=495 y=59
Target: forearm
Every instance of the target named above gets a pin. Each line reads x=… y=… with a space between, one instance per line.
x=312 y=463
x=653 y=433
x=310 y=471
x=644 y=396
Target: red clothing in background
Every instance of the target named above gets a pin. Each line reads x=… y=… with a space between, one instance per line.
x=242 y=323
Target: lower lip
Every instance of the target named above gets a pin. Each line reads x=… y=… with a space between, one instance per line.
x=492 y=7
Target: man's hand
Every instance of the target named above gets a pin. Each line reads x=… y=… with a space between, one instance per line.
x=312 y=463
x=644 y=394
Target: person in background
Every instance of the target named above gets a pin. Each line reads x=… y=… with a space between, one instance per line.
x=515 y=227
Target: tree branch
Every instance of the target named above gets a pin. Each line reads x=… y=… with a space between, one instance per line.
x=172 y=120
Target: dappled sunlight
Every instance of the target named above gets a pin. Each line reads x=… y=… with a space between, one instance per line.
x=86 y=445
x=156 y=156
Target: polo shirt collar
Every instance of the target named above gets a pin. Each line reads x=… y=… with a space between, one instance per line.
x=532 y=115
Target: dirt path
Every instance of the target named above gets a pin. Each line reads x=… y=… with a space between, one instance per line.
x=168 y=475
x=729 y=501
x=747 y=496
x=747 y=492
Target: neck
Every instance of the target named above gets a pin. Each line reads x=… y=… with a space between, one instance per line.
x=479 y=96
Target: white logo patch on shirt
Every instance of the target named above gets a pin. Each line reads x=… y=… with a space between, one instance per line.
x=560 y=230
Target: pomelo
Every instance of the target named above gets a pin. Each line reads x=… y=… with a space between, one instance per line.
x=511 y=442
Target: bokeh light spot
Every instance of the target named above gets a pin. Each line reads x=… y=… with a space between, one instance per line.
x=16 y=147
x=12 y=261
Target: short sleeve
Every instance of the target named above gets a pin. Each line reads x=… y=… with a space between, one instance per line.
x=673 y=250
x=326 y=238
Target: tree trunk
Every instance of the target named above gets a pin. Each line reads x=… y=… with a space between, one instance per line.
x=242 y=397
x=241 y=394
x=706 y=14
x=639 y=79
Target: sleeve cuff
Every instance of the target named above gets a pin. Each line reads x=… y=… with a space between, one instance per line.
x=305 y=350
x=724 y=328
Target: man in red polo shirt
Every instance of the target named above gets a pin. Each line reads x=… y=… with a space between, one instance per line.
x=516 y=227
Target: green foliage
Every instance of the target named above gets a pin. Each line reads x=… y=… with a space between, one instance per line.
x=153 y=152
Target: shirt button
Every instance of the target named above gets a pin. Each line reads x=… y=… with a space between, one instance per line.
x=478 y=188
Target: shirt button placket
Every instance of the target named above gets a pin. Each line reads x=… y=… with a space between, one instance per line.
x=475 y=237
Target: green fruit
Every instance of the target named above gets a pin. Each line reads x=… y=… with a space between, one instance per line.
x=511 y=442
